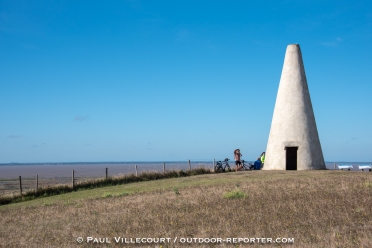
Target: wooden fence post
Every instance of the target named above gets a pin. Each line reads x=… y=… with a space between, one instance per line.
x=73 y=179
x=163 y=167
x=106 y=173
x=20 y=184
x=189 y=165
x=135 y=167
x=334 y=166
x=214 y=165
x=37 y=182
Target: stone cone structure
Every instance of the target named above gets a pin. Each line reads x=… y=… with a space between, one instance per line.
x=293 y=141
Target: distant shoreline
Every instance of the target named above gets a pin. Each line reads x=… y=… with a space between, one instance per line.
x=124 y=162
x=97 y=169
x=152 y=162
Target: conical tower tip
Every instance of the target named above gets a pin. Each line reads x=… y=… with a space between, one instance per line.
x=293 y=48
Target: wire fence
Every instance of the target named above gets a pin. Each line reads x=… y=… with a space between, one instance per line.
x=16 y=178
x=23 y=178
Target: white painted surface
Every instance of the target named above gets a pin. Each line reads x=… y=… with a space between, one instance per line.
x=341 y=167
x=293 y=123
x=365 y=167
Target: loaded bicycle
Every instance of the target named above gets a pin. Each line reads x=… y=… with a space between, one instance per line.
x=245 y=166
x=222 y=166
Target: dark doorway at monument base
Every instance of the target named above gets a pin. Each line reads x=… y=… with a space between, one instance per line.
x=291 y=158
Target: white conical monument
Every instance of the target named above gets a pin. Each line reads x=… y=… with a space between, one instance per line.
x=293 y=141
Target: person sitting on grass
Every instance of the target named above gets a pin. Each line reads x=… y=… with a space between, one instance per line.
x=237 y=156
x=257 y=164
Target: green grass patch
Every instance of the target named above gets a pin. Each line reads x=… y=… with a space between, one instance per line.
x=99 y=183
x=368 y=184
x=106 y=195
x=48 y=204
x=175 y=190
x=202 y=180
x=123 y=194
x=235 y=194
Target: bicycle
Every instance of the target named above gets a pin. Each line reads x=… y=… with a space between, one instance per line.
x=245 y=166
x=222 y=165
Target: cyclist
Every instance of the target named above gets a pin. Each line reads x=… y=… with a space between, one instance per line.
x=262 y=159
x=257 y=164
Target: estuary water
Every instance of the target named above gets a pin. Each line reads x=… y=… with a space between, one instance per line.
x=92 y=169
x=98 y=169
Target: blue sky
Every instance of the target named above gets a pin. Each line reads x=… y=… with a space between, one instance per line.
x=176 y=80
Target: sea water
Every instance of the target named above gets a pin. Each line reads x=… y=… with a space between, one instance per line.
x=98 y=169
x=93 y=169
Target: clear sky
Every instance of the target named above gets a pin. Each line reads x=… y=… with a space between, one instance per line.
x=175 y=80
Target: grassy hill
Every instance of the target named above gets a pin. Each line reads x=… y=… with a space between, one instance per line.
x=311 y=208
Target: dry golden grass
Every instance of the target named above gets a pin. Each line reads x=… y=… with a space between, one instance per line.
x=316 y=208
